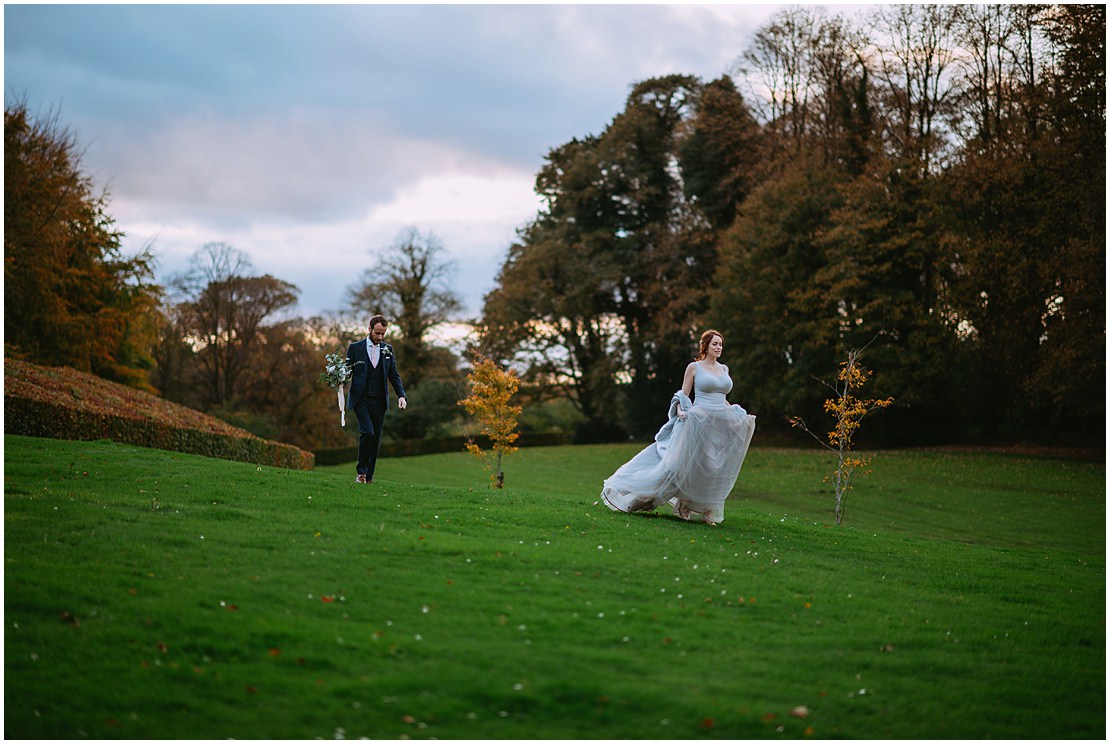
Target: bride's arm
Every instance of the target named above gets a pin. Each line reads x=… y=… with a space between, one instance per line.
x=688 y=379
x=688 y=384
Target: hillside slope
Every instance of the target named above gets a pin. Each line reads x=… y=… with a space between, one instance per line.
x=62 y=403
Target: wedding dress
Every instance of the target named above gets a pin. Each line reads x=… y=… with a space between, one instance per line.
x=694 y=461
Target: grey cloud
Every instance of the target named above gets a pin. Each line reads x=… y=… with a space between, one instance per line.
x=214 y=122
x=307 y=166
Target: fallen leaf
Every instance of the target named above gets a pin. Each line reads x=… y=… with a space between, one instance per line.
x=275 y=652
x=705 y=723
x=326 y=598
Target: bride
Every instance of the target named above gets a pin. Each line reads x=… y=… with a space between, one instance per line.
x=695 y=458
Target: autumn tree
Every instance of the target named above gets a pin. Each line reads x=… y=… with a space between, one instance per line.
x=782 y=325
x=847 y=411
x=605 y=284
x=552 y=308
x=223 y=310
x=71 y=296
x=721 y=153
x=1070 y=382
x=1025 y=200
x=489 y=401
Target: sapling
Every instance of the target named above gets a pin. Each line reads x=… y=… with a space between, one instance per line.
x=491 y=389
x=847 y=411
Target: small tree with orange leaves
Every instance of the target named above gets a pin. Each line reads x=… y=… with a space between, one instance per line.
x=848 y=411
x=491 y=389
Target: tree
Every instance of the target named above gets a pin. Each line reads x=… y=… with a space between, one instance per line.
x=550 y=311
x=915 y=63
x=781 y=324
x=280 y=389
x=779 y=62
x=889 y=270
x=721 y=153
x=1025 y=198
x=843 y=120
x=847 y=411
x=223 y=312
x=603 y=287
x=71 y=297
x=1070 y=383
x=492 y=389
x=409 y=285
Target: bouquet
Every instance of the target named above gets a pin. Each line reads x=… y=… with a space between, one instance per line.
x=337 y=373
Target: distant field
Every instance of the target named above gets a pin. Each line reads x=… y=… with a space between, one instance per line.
x=156 y=595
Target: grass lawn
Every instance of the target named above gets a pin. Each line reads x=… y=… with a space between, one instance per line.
x=150 y=594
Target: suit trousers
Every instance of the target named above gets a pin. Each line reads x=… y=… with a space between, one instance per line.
x=370 y=413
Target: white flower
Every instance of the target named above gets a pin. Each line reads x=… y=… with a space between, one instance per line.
x=337 y=370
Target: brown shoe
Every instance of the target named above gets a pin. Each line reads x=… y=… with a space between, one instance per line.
x=360 y=478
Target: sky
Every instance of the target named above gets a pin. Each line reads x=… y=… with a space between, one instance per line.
x=310 y=136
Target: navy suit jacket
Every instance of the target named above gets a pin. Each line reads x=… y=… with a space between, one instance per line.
x=357 y=352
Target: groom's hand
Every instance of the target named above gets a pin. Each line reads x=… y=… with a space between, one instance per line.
x=402 y=403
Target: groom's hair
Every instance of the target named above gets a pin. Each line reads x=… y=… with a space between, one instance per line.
x=379 y=320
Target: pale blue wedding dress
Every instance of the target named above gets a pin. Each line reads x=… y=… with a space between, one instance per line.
x=693 y=462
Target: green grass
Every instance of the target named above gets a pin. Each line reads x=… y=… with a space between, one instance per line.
x=963 y=598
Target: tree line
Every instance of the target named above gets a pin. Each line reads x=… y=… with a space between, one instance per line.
x=930 y=181
x=927 y=181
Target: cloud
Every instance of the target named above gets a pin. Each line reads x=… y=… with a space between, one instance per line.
x=310 y=135
x=308 y=166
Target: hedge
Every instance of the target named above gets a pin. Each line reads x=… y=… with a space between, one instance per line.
x=62 y=403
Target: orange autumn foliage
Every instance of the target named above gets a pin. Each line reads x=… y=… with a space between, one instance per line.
x=491 y=390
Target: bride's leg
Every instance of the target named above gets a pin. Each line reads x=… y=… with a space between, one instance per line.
x=681 y=509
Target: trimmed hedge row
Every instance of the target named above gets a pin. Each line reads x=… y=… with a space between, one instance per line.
x=62 y=403
x=409 y=447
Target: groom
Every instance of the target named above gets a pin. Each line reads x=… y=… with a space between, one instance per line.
x=373 y=363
